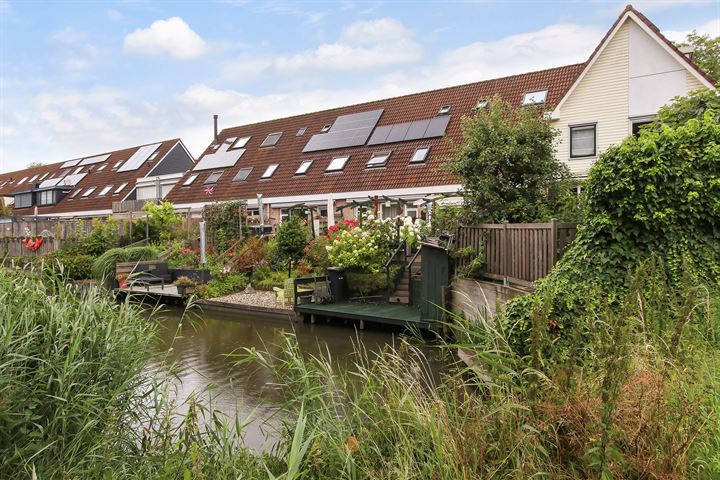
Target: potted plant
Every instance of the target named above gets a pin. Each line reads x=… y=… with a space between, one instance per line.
x=184 y=285
x=122 y=280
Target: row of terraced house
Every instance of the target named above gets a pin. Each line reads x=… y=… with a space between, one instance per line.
x=334 y=161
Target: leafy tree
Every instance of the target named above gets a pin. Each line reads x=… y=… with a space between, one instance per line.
x=160 y=222
x=706 y=54
x=507 y=165
x=291 y=239
x=35 y=164
x=5 y=210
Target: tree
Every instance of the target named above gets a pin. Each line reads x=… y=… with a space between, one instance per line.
x=291 y=239
x=5 y=210
x=706 y=54
x=35 y=164
x=507 y=165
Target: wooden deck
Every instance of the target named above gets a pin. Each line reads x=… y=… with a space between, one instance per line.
x=157 y=292
x=384 y=313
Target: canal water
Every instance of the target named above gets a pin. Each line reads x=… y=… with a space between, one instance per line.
x=201 y=350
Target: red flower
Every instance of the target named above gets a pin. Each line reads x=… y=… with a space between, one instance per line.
x=334 y=228
x=229 y=254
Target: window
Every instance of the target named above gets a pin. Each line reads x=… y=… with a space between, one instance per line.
x=75 y=193
x=77 y=170
x=89 y=192
x=534 y=98
x=378 y=159
x=637 y=124
x=303 y=168
x=105 y=190
x=22 y=181
x=337 y=164
x=271 y=139
x=239 y=143
x=242 y=174
x=117 y=165
x=481 y=104
x=582 y=141
x=444 y=110
x=152 y=157
x=101 y=167
x=47 y=197
x=269 y=171
x=32 y=179
x=213 y=178
x=326 y=128
x=120 y=188
x=190 y=180
x=301 y=132
x=23 y=200
x=420 y=155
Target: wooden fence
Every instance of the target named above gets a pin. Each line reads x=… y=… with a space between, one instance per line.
x=14 y=247
x=518 y=253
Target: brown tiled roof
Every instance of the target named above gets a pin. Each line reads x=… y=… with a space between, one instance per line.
x=288 y=152
x=107 y=176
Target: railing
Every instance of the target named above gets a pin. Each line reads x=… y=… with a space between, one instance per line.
x=127 y=206
x=516 y=252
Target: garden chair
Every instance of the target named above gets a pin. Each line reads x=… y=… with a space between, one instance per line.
x=285 y=294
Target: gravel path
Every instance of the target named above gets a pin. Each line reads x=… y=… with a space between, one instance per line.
x=259 y=299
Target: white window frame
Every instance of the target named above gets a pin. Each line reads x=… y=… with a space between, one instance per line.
x=89 y=192
x=529 y=98
x=120 y=188
x=304 y=167
x=269 y=171
x=265 y=144
x=190 y=180
x=424 y=158
x=239 y=142
x=340 y=162
x=105 y=190
x=374 y=161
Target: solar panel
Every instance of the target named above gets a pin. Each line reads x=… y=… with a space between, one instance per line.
x=417 y=130
x=402 y=132
x=70 y=163
x=138 y=158
x=72 y=180
x=347 y=131
x=222 y=158
x=91 y=160
x=398 y=132
x=49 y=183
x=380 y=135
x=437 y=127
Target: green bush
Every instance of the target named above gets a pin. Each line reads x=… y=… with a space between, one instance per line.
x=75 y=267
x=369 y=283
x=222 y=285
x=103 y=267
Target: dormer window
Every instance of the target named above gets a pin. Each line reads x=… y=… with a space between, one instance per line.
x=303 y=168
x=534 y=98
x=378 y=159
x=326 y=128
x=269 y=171
x=444 y=110
x=482 y=104
x=271 y=139
x=337 y=164
x=420 y=155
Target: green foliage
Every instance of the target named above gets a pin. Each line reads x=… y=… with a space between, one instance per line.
x=657 y=194
x=507 y=165
x=103 y=236
x=224 y=284
x=447 y=219
x=161 y=223
x=103 y=267
x=291 y=239
x=74 y=266
x=706 y=54
x=223 y=223
x=369 y=283
x=5 y=210
x=264 y=278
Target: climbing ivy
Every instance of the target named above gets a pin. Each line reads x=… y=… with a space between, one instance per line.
x=655 y=195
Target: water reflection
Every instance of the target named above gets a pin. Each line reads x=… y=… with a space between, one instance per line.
x=200 y=349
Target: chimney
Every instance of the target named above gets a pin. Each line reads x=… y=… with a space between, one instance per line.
x=215 y=118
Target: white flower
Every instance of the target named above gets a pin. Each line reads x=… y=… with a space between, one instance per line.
x=371 y=217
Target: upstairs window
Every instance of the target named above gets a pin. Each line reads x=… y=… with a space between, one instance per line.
x=240 y=143
x=101 y=167
x=271 y=139
x=46 y=197
x=303 y=168
x=582 y=141
x=301 y=132
x=120 y=188
x=23 y=200
x=482 y=104
x=78 y=170
x=378 y=159
x=242 y=174
x=22 y=180
x=534 y=98
x=444 y=110
x=213 y=178
x=88 y=192
x=75 y=193
x=117 y=164
x=105 y=190
x=326 y=128
x=44 y=176
x=269 y=171
x=190 y=180
x=337 y=164
x=420 y=155
x=32 y=179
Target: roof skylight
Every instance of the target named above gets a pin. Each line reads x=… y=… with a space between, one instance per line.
x=271 y=139
x=242 y=174
x=213 y=178
x=378 y=159
x=420 y=155
x=534 y=98
x=89 y=192
x=190 y=180
x=301 y=132
x=303 y=168
x=482 y=104
x=101 y=167
x=75 y=193
x=444 y=110
x=78 y=170
x=326 y=128
x=105 y=190
x=120 y=188
x=269 y=171
x=22 y=180
x=240 y=142
x=337 y=164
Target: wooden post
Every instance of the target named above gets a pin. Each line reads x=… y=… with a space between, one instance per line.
x=506 y=253
x=131 y=226
x=188 y=219
x=553 y=243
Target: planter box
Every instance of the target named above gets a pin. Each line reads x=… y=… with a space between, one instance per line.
x=198 y=276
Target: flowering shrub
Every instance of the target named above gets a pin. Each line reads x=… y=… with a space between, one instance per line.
x=412 y=232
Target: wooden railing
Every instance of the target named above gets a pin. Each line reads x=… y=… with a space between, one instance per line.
x=518 y=253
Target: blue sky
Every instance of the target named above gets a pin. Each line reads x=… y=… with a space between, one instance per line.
x=84 y=77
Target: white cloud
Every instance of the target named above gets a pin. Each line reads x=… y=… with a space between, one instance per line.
x=711 y=28
x=364 y=45
x=173 y=37
x=78 y=52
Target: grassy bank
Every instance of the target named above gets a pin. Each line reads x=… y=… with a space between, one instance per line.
x=638 y=400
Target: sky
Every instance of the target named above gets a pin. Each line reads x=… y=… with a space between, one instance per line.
x=84 y=77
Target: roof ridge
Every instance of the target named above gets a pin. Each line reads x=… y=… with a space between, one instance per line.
x=422 y=92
